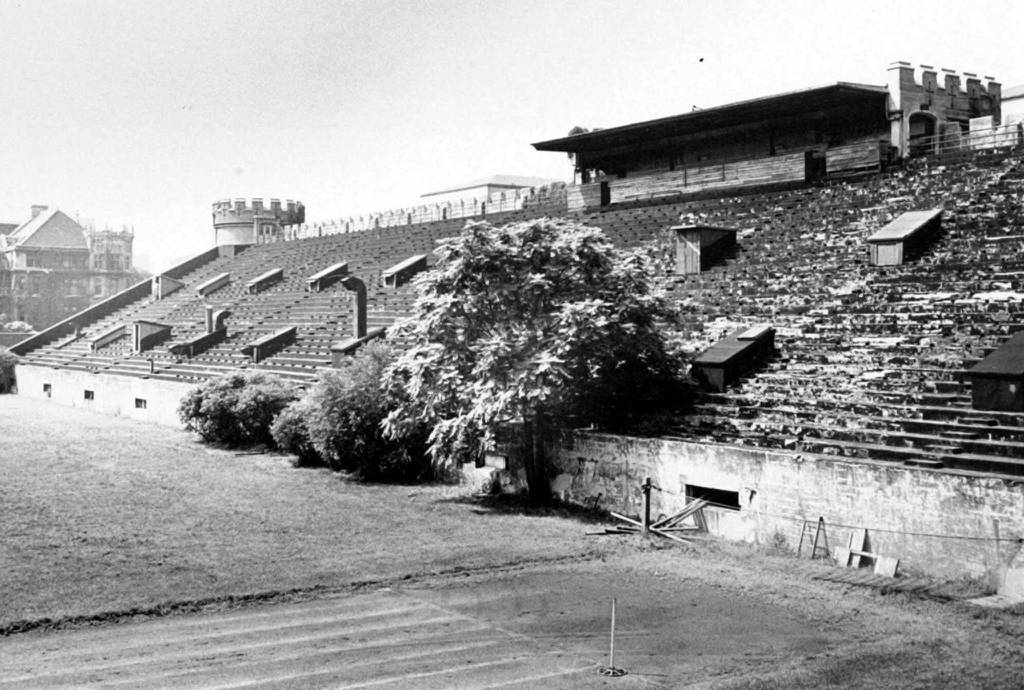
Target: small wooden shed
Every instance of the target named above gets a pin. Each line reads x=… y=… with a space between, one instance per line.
x=997 y=382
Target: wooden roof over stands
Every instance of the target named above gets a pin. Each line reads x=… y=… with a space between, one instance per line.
x=795 y=103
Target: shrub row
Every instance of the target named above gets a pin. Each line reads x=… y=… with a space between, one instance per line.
x=336 y=423
x=7 y=361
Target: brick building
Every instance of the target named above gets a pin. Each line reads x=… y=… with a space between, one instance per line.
x=51 y=267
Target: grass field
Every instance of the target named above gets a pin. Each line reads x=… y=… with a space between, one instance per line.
x=104 y=514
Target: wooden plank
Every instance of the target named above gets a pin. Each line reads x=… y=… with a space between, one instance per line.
x=857 y=540
x=691 y=507
x=756 y=332
x=669 y=536
x=906 y=225
x=886 y=565
x=787 y=167
x=624 y=518
x=854 y=156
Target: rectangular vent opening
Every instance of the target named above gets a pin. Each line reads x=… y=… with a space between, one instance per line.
x=718 y=498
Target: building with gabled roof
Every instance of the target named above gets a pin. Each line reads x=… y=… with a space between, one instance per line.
x=48 y=229
x=51 y=266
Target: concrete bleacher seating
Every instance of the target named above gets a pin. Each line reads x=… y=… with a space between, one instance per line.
x=280 y=301
x=871 y=361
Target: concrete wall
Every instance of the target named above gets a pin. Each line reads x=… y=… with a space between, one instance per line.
x=229 y=234
x=111 y=394
x=1013 y=110
x=779 y=490
x=9 y=338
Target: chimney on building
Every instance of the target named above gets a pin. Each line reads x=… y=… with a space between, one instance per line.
x=38 y=208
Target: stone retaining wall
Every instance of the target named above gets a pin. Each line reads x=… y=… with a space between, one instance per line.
x=898 y=505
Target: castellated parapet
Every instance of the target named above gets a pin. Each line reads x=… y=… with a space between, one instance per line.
x=254 y=221
x=922 y=107
x=546 y=200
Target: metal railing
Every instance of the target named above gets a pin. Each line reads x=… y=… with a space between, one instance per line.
x=1008 y=136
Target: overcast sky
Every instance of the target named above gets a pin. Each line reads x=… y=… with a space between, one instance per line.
x=144 y=113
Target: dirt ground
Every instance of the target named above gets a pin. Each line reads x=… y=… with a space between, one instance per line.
x=134 y=556
x=710 y=617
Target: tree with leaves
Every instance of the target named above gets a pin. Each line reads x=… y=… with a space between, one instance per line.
x=527 y=324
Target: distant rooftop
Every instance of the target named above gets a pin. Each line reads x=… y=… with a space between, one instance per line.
x=781 y=105
x=1013 y=92
x=7 y=228
x=502 y=181
x=48 y=228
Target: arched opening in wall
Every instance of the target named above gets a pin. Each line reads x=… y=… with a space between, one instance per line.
x=921 y=131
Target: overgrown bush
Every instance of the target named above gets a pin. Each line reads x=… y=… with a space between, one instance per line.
x=344 y=411
x=236 y=409
x=7 y=361
x=292 y=435
x=535 y=322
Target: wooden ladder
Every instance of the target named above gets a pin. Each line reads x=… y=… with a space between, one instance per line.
x=815 y=535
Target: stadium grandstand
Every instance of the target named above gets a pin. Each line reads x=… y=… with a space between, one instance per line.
x=849 y=266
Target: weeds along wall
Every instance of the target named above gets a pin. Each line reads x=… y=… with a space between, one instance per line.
x=934 y=521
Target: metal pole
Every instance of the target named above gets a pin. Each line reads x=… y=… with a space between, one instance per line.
x=610 y=669
x=611 y=648
x=646 y=526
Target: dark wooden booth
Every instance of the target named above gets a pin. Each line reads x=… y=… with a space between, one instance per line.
x=997 y=382
x=734 y=357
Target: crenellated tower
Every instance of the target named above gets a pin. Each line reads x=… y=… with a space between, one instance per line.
x=251 y=221
x=924 y=109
